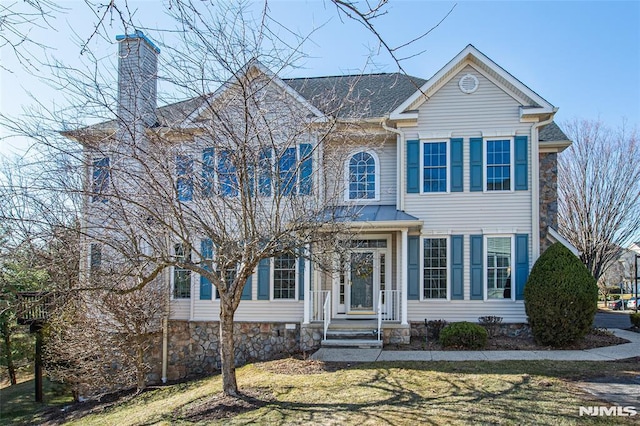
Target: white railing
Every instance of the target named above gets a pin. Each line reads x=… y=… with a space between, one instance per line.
x=326 y=308
x=317 y=305
x=388 y=307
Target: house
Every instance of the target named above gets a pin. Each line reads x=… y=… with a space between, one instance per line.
x=449 y=208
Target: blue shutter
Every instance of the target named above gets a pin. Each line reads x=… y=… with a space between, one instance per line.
x=206 y=251
x=413 y=167
x=521 y=163
x=457 y=267
x=301 y=262
x=457 y=166
x=264 y=178
x=184 y=174
x=306 y=168
x=522 y=264
x=413 y=273
x=246 y=291
x=477 y=268
x=475 y=163
x=208 y=168
x=264 y=279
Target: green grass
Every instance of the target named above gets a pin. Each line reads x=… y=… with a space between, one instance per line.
x=439 y=393
x=18 y=406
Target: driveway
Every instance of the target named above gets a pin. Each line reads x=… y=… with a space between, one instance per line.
x=612 y=319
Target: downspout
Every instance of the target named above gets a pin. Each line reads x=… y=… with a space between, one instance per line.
x=535 y=185
x=400 y=163
x=165 y=321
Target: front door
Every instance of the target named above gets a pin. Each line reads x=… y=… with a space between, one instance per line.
x=361 y=292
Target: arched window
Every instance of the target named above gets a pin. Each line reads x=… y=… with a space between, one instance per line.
x=362 y=183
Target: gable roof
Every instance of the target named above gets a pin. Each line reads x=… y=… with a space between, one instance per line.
x=532 y=102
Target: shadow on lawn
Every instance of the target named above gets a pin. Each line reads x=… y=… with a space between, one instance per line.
x=387 y=399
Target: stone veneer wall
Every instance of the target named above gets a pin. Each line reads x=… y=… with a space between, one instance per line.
x=193 y=345
x=548 y=196
x=418 y=329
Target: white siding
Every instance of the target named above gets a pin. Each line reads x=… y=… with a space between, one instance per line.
x=488 y=108
x=489 y=111
x=466 y=310
x=387 y=155
x=252 y=310
x=335 y=162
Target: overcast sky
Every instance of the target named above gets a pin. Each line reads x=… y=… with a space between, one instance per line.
x=583 y=57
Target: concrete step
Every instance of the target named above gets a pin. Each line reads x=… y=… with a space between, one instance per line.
x=351 y=334
x=351 y=343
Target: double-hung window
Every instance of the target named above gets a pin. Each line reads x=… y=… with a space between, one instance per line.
x=434 y=167
x=101 y=177
x=499 y=267
x=181 y=275
x=362 y=181
x=498 y=165
x=284 y=276
x=227 y=177
x=435 y=268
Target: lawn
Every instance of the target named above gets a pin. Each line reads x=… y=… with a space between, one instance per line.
x=438 y=393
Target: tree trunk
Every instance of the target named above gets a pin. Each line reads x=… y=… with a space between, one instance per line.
x=227 y=350
x=11 y=368
x=140 y=370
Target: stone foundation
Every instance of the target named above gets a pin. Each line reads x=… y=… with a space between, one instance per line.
x=193 y=346
x=418 y=329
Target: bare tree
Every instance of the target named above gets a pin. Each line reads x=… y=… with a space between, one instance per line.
x=599 y=191
x=212 y=185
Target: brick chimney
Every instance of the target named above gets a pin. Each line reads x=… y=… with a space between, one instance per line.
x=137 y=81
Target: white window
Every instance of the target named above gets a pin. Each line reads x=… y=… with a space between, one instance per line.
x=284 y=276
x=498 y=165
x=499 y=267
x=181 y=276
x=434 y=268
x=434 y=167
x=362 y=177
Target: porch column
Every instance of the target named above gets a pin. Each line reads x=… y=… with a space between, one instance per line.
x=403 y=276
x=307 y=288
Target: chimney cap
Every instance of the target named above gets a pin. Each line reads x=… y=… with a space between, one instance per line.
x=138 y=35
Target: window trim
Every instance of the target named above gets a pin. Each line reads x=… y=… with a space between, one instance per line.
x=485 y=272
x=485 y=151
x=272 y=281
x=376 y=174
x=447 y=239
x=447 y=168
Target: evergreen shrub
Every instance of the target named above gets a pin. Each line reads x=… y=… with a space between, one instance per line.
x=463 y=335
x=560 y=298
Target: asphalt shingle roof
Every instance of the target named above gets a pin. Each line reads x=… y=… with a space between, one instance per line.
x=357 y=96
x=551 y=132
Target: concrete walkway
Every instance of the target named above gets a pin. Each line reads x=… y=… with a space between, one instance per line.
x=609 y=353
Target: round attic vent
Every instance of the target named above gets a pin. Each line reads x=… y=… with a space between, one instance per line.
x=468 y=83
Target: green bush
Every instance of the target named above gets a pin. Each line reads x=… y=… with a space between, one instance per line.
x=463 y=335
x=635 y=319
x=560 y=298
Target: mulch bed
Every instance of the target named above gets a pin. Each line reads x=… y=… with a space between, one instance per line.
x=596 y=339
x=220 y=406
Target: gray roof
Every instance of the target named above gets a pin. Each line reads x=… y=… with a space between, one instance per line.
x=384 y=213
x=357 y=96
x=552 y=133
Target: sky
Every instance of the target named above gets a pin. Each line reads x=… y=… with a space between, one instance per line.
x=582 y=57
